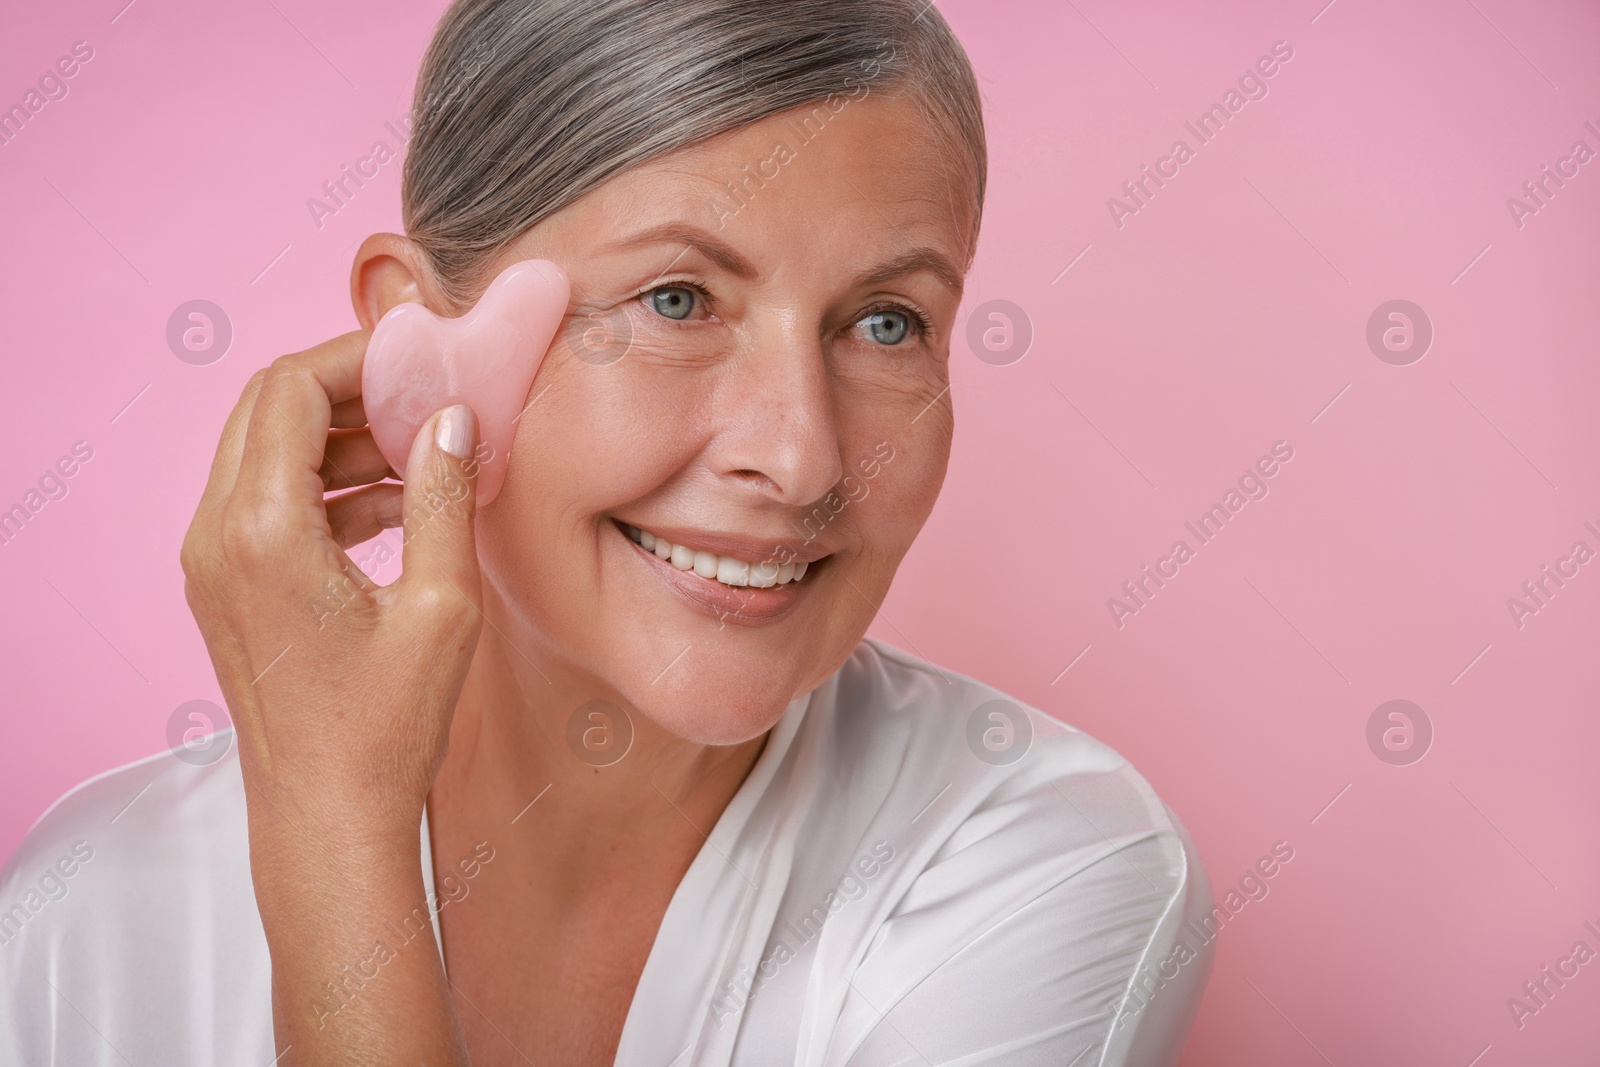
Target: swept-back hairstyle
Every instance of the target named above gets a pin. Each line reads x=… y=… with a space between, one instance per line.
x=523 y=106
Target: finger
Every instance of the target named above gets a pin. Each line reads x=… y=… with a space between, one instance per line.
x=283 y=447
x=351 y=457
x=225 y=464
x=349 y=414
x=364 y=514
x=441 y=491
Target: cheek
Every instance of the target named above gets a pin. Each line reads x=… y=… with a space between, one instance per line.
x=596 y=437
x=619 y=427
x=909 y=459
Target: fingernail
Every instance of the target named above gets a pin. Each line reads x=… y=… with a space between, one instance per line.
x=454 y=431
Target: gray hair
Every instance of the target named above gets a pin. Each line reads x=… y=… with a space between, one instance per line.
x=523 y=106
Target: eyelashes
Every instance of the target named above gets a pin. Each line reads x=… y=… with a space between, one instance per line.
x=684 y=283
x=919 y=320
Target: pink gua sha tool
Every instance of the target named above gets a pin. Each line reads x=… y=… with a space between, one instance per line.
x=417 y=363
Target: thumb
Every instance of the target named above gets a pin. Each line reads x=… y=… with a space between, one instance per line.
x=440 y=505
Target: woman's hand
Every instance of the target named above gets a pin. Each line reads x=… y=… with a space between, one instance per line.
x=341 y=691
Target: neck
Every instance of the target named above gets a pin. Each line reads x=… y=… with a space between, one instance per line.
x=575 y=810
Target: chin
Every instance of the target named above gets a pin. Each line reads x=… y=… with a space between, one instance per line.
x=714 y=705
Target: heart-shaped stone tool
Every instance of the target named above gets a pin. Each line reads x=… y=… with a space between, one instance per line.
x=417 y=363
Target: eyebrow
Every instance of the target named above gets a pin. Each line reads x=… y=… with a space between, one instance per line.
x=728 y=259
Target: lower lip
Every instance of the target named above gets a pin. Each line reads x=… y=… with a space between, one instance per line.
x=736 y=604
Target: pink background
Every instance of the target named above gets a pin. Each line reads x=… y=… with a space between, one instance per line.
x=1224 y=316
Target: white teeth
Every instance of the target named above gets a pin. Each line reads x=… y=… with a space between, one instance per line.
x=725 y=569
x=732 y=571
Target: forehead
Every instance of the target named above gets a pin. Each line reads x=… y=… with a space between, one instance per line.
x=863 y=173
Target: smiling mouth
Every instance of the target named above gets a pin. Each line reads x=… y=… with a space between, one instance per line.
x=725 y=570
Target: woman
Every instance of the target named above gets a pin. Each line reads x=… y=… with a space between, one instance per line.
x=667 y=816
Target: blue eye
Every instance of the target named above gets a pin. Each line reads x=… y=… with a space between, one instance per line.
x=673 y=301
x=887 y=327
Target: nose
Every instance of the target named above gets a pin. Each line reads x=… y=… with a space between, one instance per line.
x=778 y=431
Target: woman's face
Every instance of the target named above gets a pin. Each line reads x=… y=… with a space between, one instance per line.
x=755 y=370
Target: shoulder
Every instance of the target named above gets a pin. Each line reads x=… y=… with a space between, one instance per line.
x=132 y=894
x=1036 y=857
x=990 y=748
x=132 y=820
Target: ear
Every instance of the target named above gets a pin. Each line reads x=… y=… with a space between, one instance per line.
x=389 y=270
